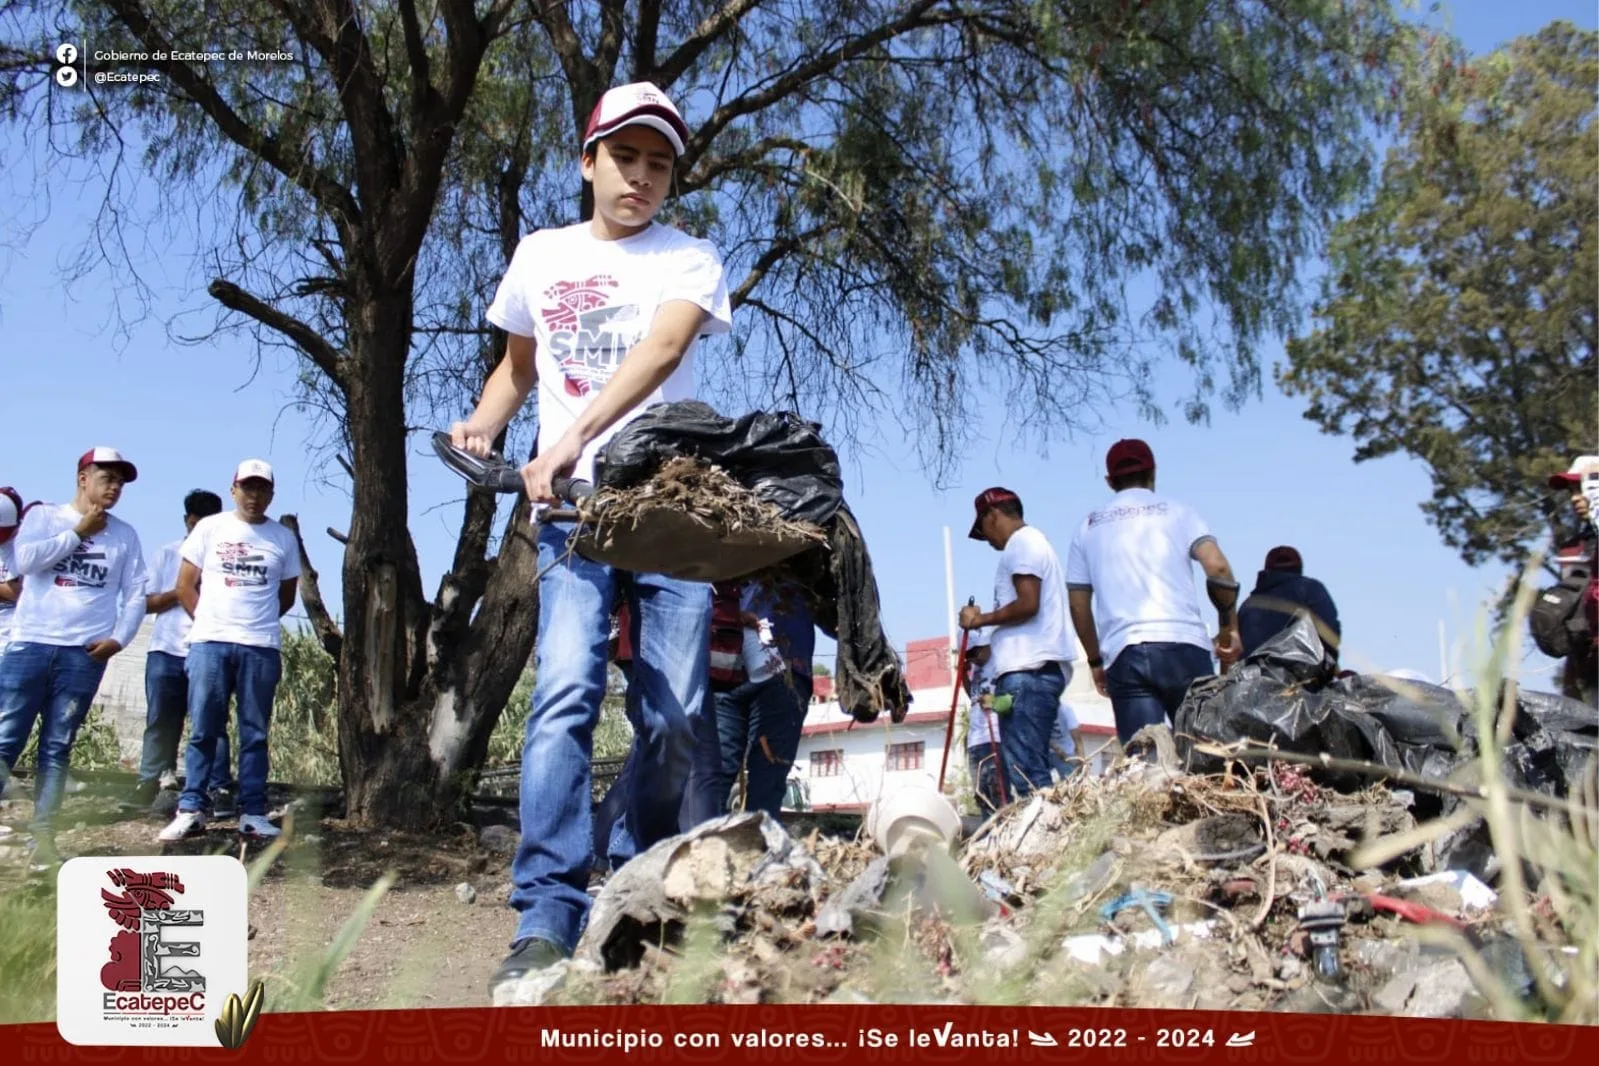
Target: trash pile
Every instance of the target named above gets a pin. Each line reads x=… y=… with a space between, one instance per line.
x=1188 y=876
x=1148 y=887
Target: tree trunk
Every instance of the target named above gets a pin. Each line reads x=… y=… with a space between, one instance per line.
x=421 y=684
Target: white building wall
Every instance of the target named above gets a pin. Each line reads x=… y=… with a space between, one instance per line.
x=121 y=694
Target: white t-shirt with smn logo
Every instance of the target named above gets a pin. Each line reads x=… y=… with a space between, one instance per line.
x=586 y=302
x=76 y=592
x=1136 y=553
x=242 y=565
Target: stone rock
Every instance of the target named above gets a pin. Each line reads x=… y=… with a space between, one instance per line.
x=1435 y=990
x=498 y=839
x=465 y=893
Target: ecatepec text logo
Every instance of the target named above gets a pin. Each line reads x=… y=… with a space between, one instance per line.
x=149 y=950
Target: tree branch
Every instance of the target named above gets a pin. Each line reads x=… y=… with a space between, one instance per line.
x=308 y=340
x=770 y=258
x=581 y=75
x=919 y=16
x=322 y=623
x=704 y=35
x=612 y=15
x=416 y=52
x=645 y=39
x=332 y=196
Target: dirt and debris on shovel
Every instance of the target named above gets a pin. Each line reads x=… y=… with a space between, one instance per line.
x=1147 y=887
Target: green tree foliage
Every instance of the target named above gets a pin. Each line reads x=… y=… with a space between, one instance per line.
x=920 y=202
x=1457 y=320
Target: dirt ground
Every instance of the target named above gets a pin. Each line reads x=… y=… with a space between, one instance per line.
x=423 y=946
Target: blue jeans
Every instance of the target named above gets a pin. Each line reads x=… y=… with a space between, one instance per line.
x=1024 y=733
x=549 y=875
x=983 y=761
x=756 y=729
x=166 y=701
x=217 y=671
x=56 y=685
x=1147 y=683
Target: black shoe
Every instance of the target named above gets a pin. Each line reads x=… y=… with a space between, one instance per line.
x=534 y=953
x=142 y=796
x=224 y=804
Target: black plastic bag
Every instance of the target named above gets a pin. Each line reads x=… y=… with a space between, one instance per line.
x=1284 y=696
x=783 y=460
x=778 y=456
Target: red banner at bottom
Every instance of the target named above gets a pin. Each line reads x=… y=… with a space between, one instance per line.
x=823 y=1034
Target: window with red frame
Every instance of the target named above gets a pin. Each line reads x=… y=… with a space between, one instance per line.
x=906 y=756
x=827 y=763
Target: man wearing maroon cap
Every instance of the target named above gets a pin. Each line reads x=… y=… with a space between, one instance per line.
x=1030 y=649
x=1130 y=583
x=602 y=319
x=1578 y=561
x=82 y=601
x=1282 y=593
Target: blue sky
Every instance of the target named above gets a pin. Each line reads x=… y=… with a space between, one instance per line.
x=1261 y=476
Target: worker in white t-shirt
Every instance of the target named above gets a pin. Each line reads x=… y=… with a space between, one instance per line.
x=1131 y=585
x=982 y=726
x=238 y=577
x=602 y=318
x=82 y=600
x=1030 y=648
x=10 y=583
x=1066 y=752
x=166 y=683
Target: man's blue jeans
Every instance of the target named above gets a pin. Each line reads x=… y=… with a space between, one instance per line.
x=983 y=762
x=1024 y=733
x=166 y=701
x=1147 y=683
x=56 y=685
x=756 y=730
x=550 y=873
x=219 y=670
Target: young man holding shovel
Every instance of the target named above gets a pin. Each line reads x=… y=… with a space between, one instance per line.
x=602 y=318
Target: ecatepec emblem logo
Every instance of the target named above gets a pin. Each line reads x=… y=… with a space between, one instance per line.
x=149 y=950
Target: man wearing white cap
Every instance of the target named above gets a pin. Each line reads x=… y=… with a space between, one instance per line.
x=82 y=601
x=239 y=574
x=602 y=318
x=10 y=583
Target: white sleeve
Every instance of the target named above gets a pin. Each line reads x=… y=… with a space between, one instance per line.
x=1030 y=556
x=195 y=545
x=698 y=277
x=135 y=586
x=36 y=550
x=510 y=309
x=1077 y=574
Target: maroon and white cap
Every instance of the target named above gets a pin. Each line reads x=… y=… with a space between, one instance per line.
x=1572 y=478
x=257 y=469
x=10 y=507
x=636 y=104
x=986 y=501
x=108 y=457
